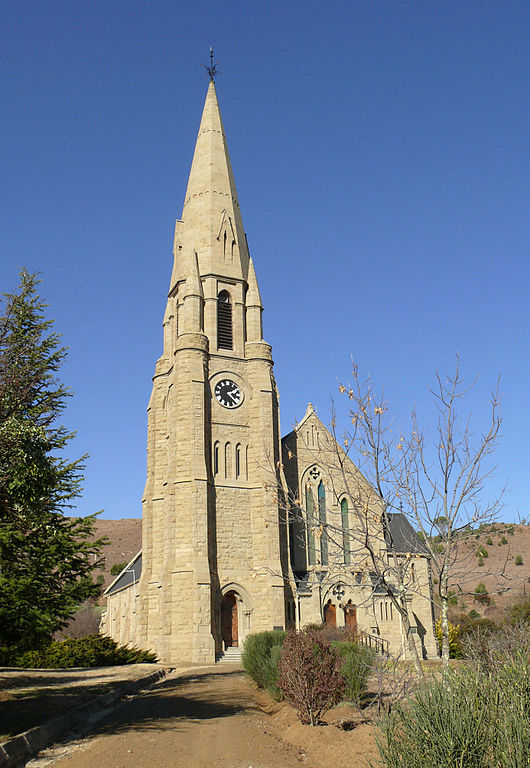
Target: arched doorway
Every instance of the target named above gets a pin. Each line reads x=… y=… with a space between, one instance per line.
x=350 y=617
x=330 y=614
x=229 y=621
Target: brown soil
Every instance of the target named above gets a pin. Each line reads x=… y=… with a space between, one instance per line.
x=214 y=718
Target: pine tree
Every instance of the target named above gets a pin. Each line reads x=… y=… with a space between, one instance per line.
x=46 y=558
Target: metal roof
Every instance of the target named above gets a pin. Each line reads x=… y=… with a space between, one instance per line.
x=130 y=575
x=400 y=536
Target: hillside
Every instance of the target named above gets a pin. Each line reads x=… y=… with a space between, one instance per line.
x=506 y=582
x=125 y=538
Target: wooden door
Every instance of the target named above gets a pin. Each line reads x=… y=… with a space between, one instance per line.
x=330 y=614
x=229 y=628
x=350 y=617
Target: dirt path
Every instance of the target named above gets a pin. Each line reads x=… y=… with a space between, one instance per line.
x=204 y=719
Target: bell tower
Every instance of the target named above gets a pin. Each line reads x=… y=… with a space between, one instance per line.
x=214 y=555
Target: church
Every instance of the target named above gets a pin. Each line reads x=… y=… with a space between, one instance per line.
x=243 y=531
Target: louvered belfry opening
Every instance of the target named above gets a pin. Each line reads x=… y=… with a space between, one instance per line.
x=224 y=321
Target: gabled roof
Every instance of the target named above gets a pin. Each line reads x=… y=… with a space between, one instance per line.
x=310 y=411
x=130 y=575
x=312 y=414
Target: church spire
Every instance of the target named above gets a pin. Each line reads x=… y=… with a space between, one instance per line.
x=212 y=225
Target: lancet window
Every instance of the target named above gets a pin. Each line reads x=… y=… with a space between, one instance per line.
x=322 y=521
x=311 y=524
x=316 y=519
x=345 y=521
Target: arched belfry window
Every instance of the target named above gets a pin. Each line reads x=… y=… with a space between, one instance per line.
x=224 y=321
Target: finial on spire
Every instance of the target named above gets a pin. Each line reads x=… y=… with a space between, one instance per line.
x=212 y=68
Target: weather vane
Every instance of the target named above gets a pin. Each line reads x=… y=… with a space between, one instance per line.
x=212 y=68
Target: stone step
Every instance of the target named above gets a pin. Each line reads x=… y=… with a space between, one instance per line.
x=230 y=656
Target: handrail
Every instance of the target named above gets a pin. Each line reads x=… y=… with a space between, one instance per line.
x=376 y=643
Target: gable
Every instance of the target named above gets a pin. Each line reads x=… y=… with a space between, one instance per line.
x=311 y=444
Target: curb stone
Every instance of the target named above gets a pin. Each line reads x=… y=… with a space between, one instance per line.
x=25 y=745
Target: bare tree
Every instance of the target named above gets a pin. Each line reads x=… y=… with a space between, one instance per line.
x=444 y=489
x=443 y=496
x=380 y=454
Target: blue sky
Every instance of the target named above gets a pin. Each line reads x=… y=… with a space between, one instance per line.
x=381 y=157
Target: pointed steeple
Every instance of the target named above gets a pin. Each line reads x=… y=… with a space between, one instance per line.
x=211 y=218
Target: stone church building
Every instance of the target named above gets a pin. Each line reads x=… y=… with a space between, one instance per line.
x=243 y=531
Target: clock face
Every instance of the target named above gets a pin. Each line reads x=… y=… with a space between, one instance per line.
x=228 y=393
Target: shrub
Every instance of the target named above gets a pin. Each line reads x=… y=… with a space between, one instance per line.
x=117 y=568
x=309 y=675
x=504 y=540
x=443 y=724
x=519 y=560
x=502 y=657
x=454 y=635
x=481 y=594
x=481 y=561
x=469 y=624
x=489 y=541
x=473 y=614
x=357 y=661
x=512 y=688
x=261 y=655
x=482 y=552
x=330 y=633
x=490 y=647
x=84 y=622
x=89 y=651
x=519 y=613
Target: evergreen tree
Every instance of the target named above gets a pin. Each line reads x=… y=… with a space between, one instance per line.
x=46 y=558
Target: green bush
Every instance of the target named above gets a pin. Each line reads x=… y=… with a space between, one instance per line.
x=443 y=724
x=489 y=541
x=482 y=552
x=481 y=594
x=519 y=613
x=481 y=561
x=117 y=568
x=504 y=540
x=271 y=673
x=261 y=656
x=89 y=651
x=519 y=560
x=357 y=661
x=473 y=717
